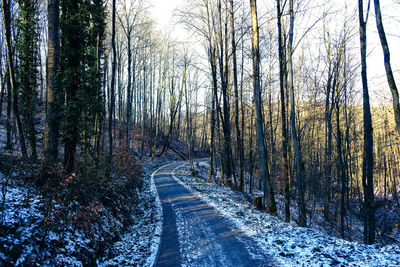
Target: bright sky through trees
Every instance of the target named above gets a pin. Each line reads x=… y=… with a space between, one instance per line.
x=162 y=12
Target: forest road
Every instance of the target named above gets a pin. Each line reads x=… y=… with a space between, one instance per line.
x=207 y=236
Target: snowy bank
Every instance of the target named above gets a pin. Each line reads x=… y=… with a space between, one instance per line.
x=289 y=244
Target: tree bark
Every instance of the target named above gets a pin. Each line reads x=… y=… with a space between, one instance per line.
x=226 y=127
x=9 y=107
x=298 y=158
x=27 y=69
x=53 y=111
x=112 y=89
x=269 y=198
x=128 y=90
x=368 y=161
x=72 y=56
x=239 y=143
x=282 y=67
x=212 y=117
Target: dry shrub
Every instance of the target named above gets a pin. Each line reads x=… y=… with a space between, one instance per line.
x=73 y=199
x=79 y=198
x=98 y=205
x=126 y=166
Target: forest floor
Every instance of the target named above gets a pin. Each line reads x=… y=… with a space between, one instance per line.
x=288 y=244
x=127 y=235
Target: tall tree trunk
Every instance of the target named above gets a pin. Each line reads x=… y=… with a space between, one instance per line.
x=7 y=34
x=158 y=111
x=189 y=130
x=27 y=69
x=212 y=122
x=51 y=131
x=128 y=91
x=368 y=160
x=144 y=117
x=112 y=89
x=226 y=127
x=72 y=51
x=251 y=153
x=282 y=67
x=298 y=158
x=99 y=115
x=340 y=167
x=328 y=147
x=269 y=197
x=9 y=107
x=239 y=143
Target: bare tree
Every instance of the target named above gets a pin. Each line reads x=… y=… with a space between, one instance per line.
x=298 y=158
x=282 y=78
x=112 y=89
x=368 y=160
x=239 y=142
x=269 y=197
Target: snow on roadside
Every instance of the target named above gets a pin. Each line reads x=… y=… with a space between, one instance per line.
x=290 y=245
x=24 y=240
x=139 y=245
x=158 y=229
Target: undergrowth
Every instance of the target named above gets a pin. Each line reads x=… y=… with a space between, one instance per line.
x=97 y=205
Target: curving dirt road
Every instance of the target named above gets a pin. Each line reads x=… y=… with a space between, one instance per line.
x=207 y=236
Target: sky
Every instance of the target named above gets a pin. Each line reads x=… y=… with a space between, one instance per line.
x=162 y=12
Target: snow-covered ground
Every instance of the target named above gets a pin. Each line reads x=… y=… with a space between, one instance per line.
x=139 y=245
x=26 y=239
x=20 y=217
x=288 y=244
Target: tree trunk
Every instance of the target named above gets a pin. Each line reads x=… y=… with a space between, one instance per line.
x=53 y=111
x=269 y=198
x=27 y=58
x=282 y=67
x=298 y=158
x=144 y=117
x=212 y=123
x=226 y=127
x=112 y=89
x=128 y=91
x=71 y=50
x=158 y=110
x=368 y=161
x=9 y=107
x=328 y=148
x=239 y=144
x=251 y=153
x=189 y=140
x=340 y=168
